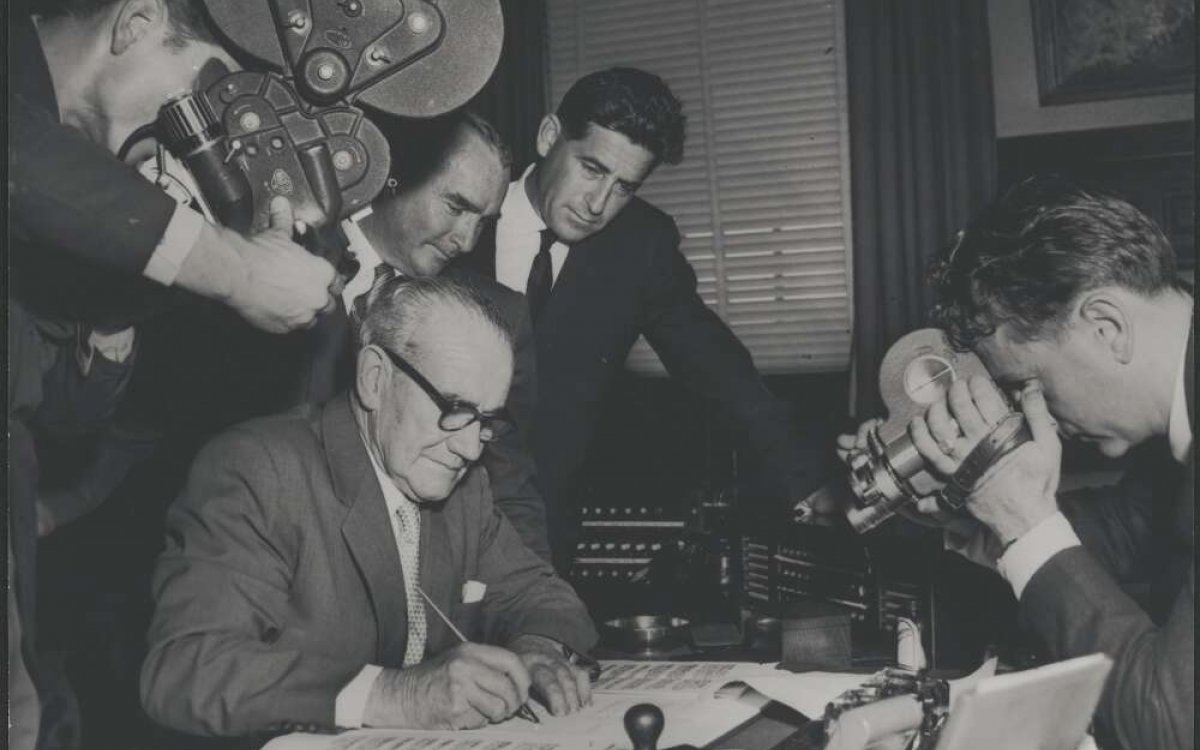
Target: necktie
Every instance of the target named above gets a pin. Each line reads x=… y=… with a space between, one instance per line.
x=383 y=274
x=409 y=520
x=541 y=276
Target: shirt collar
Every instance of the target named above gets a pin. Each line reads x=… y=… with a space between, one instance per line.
x=517 y=208
x=391 y=495
x=1179 y=427
x=364 y=252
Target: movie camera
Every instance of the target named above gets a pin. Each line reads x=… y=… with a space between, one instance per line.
x=295 y=125
x=890 y=473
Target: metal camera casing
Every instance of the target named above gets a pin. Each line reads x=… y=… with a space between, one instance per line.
x=890 y=473
x=296 y=125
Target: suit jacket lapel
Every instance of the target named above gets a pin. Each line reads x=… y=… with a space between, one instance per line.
x=367 y=529
x=436 y=576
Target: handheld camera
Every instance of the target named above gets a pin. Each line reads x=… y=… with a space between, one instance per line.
x=890 y=473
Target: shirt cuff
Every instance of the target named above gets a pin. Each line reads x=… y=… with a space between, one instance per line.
x=177 y=242
x=351 y=702
x=1034 y=549
x=115 y=347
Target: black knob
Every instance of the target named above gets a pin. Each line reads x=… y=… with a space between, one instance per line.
x=644 y=724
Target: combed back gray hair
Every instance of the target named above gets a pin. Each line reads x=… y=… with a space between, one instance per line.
x=399 y=309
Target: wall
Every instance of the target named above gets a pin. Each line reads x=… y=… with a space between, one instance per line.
x=1018 y=111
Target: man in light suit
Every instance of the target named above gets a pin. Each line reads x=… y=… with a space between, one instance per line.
x=1071 y=298
x=292 y=590
x=449 y=176
x=601 y=267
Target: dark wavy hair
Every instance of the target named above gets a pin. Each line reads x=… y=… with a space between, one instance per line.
x=634 y=103
x=188 y=18
x=1026 y=257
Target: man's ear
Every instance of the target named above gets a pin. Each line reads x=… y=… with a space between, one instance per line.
x=370 y=378
x=548 y=134
x=1109 y=323
x=135 y=19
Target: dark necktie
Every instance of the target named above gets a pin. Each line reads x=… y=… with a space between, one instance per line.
x=383 y=274
x=541 y=276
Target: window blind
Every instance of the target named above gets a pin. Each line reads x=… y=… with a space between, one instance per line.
x=762 y=198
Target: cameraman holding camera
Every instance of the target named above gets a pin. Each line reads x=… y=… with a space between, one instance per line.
x=88 y=73
x=1071 y=298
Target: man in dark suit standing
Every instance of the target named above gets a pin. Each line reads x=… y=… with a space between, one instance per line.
x=449 y=176
x=84 y=75
x=303 y=553
x=601 y=267
x=1071 y=298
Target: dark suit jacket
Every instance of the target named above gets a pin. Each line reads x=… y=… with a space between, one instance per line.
x=327 y=367
x=630 y=279
x=1075 y=605
x=82 y=224
x=281 y=579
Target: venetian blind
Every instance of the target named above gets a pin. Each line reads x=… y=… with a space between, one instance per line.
x=762 y=197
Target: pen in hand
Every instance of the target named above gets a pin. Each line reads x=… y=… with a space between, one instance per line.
x=525 y=712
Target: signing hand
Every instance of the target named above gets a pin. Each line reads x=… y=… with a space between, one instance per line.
x=465 y=687
x=562 y=686
x=1016 y=493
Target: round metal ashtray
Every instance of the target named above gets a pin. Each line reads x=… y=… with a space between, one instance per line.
x=642 y=633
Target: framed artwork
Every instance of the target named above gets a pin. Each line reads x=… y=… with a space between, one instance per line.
x=1105 y=49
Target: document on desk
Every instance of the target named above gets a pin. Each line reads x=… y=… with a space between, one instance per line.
x=695 y=699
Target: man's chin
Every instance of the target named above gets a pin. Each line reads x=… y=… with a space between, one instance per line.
x=1112 y=448
x=438 y=489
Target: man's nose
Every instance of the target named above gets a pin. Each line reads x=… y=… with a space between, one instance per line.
x=597 y=199
x=462 y=238
x=465 y=443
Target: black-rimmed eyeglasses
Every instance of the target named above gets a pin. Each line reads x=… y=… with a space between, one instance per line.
x=457 y=415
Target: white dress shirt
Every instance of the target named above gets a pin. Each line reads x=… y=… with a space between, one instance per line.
x=1054 y=534
x=518 y=237
x=364 y=253
x=351 y=702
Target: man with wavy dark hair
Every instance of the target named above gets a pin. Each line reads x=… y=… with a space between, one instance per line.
x=1072 y=300
x=601 y=267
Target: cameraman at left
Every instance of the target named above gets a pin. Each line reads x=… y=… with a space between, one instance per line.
x=85 y=74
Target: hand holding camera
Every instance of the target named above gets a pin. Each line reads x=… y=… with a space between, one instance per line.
x=953 y=445
x=1018 y=491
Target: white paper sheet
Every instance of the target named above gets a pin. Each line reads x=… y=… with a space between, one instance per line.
x=695 y=708
x=674 y=678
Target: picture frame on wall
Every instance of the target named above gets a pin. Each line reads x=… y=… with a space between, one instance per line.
x=1089 y=50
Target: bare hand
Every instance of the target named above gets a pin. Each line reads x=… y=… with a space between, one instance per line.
x=465 y=687
x=1017 y=492
x=562 y=686
x=284 y=286
x=850 y=444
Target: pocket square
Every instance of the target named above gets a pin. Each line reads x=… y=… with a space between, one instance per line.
x=473 y=591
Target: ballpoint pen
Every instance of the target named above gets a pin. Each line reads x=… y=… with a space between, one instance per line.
x=525 y=712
